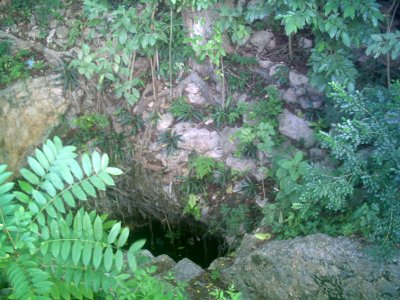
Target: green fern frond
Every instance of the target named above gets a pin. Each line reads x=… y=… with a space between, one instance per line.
x=28 y=281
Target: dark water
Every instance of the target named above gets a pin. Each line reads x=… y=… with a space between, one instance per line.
x=180 y=241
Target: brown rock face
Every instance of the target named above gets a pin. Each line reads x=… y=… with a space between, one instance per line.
x=28 y=111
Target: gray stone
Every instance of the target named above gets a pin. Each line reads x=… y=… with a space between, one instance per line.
x=297 y=79
x=313 y=267
x=241 y=164
x=305 y=102
x=186 y=270
x=265 y=63
x=316 y=154
x=263 y=39
x=274 y=69
x=289 y=96
x=194 y=95
x=29 y=110
x=34 y=33
x=62 y=32
x=295 y=128
x=199 y=139
x=305 y=43
x=165 y=121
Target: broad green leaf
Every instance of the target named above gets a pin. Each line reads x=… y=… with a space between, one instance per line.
x=107 y=179
x=33 y=207
x=26 y=187
x=49 y=188
x=87 y=253
x=55 y=248
x=78 y=231
x=76 y=252
x=87 y=164
x=44 y=248
x=66 y=175
x=41 y=219
x=68 y=198
x=51 y=212
x=39 y=198
x=114 y=232
x=123 y=237
x=41 y=157
x=49 y=153
x=113 y=171
x=59 y=204
x=65 y=249
x=64 y=229
x=56 y=181
x=98 y=183
x=104 y=161
x=303 y=168
x=78 y=192
x=122 y=37
x=76 y=170
x=119 y=260
x=88 y=188
x=87 y=227
x=97 y=255
x=132 y=260
x=108 y=259
x=96 y=162
x=55 y=229
x=98 y=229
x=4 y=176
x=298 y=157
x=24 y=198
x=30 y=176
x=45 y=233
x=6 y=187
x=36 y=167
x=136 y=246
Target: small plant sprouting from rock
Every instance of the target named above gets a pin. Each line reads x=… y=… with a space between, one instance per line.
x=169 y=141
x=183 y=111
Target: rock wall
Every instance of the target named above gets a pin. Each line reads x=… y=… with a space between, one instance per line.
x=29 y=110
x=312 y=267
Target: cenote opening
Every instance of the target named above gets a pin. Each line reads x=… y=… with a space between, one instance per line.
x=178 y=241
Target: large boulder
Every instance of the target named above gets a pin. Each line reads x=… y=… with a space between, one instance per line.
x=313 y=267
x=28 y=111
x=296 y=128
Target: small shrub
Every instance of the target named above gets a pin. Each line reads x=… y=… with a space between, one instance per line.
x=202 y=166
x=169 y=141
x=183 y=111
x=192 y=207
x=249 y=187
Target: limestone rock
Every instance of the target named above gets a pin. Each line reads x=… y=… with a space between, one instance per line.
x=165 y=121
x=265 y=63
x=62 y=32
x=28 y=111
x=295 y=128
x=194 y=95
x=263 y=39
x=199 y=139
x=241 y=165
x=305 y=43
x=314 y=267
x=289 y=96
x=186 y=270
x=297 y=79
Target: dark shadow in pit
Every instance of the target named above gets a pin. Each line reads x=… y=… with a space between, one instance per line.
x=192 y=241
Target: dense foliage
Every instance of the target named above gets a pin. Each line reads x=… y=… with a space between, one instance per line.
x=360 y=192
x=50 y=250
